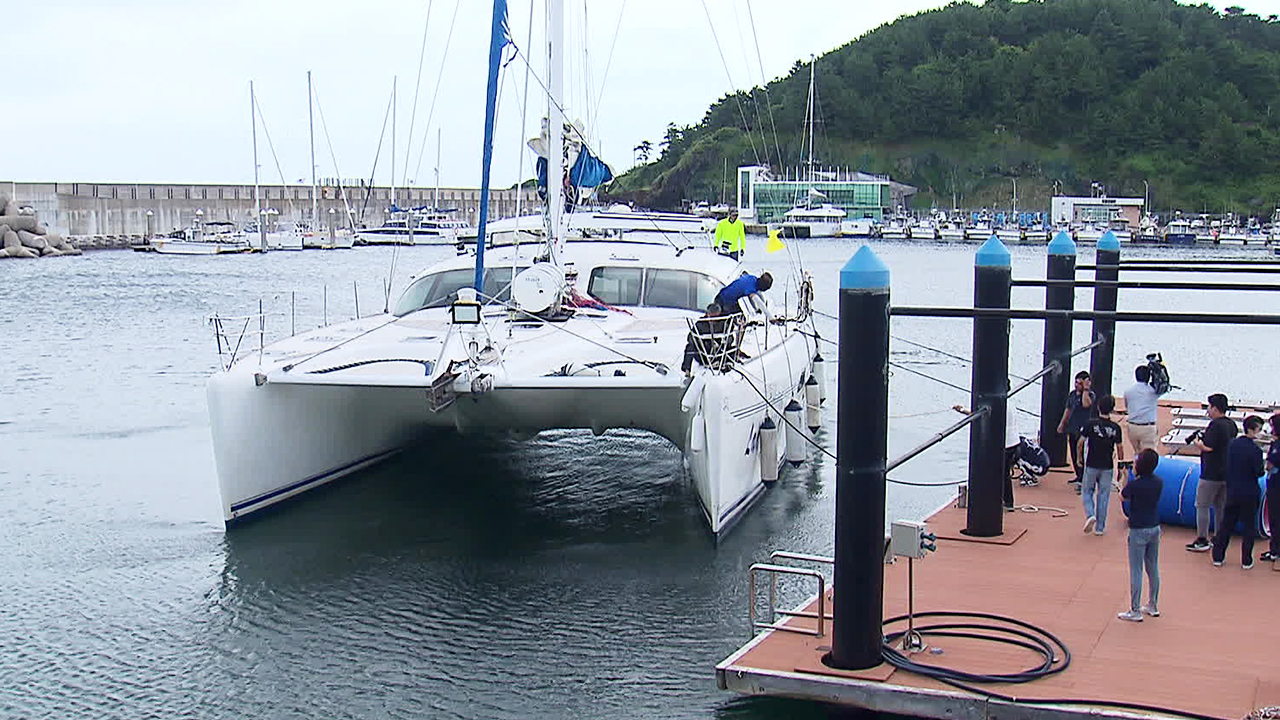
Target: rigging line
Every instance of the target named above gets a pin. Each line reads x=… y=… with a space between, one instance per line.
x=755 y=101
x=609 y=62
x=436 y=93
x=660 y=368
x=376 y=155
x=408 y=149
x=273 y=154
x=806 y=435
x=764 y=83
x=732 y=90
x=333 y=156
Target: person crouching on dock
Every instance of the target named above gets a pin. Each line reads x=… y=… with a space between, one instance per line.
x=1143 y=494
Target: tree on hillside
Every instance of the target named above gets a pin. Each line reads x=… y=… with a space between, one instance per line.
x=642 y=151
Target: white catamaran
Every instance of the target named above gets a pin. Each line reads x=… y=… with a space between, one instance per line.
x=566 y=332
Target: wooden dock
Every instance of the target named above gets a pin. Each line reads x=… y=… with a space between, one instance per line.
x=1214 y=651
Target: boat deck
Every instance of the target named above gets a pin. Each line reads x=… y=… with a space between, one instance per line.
x=1213 y=650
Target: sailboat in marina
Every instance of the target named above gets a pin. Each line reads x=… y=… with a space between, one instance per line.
x=571 y=331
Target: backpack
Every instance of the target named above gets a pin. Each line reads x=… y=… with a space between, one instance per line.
x=1159 y=380
x=1032 y=458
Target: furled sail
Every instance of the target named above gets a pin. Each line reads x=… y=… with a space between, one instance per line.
x=585 y=169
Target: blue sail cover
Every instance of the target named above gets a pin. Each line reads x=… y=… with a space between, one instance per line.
x=499 y=36
x=588 y=171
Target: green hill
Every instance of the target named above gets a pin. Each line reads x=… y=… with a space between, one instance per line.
x=1052 y=92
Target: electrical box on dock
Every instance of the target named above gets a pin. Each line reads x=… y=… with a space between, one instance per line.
x=910 y=539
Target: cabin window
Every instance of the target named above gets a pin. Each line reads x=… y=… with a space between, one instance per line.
x=616 y=286
x=659 y=287
x=440 y=289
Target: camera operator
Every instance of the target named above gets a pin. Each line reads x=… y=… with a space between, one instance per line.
x=1211 y=490
x=1140 y=403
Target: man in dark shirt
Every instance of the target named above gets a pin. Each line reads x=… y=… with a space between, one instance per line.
x=1211 y=490
x=1244 y=467
x=1273 y=491
x=1143 y=493
x=1100 y=442
x=1078 y=411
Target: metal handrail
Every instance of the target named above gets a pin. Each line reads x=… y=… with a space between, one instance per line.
x=821 y=616
x=1056 y=365
x=717 y=349
x=227 y=351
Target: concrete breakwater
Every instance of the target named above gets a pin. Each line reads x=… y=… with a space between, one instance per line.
x=22 y=235
x=122 y=209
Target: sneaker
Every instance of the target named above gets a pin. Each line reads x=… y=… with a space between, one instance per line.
x=1099 y=532
x=1130 y=615
x=1089 y=522
x=1248 y=565
x=1151 y=610
x=1198 y=545
x=1009 y=508
x=1268 y=557
x=1217 y=563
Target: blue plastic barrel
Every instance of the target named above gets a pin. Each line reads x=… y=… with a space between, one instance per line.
x=1181 y=475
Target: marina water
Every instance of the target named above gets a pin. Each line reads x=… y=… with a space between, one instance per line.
x=561 y=577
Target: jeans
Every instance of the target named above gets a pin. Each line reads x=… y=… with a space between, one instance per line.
x=1096 y=480
x=1273 y=511
x=1244 y=512
x=1144 y=552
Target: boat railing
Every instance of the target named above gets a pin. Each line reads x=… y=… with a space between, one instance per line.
x=230 y=331
x=717 y=340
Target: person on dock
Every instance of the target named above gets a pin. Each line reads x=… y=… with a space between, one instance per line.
x=731 y=235
x=1078 y=411
x=745 y=285
x=1244 y=467
x=1143 y=493
x=1273 y=491
x=1140 y=402
x=1101 y=444
x=1211 y=490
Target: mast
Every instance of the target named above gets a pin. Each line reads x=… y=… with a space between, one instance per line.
x=812 y=61
x=555 y=117
x=497 y=41
x=257 y=197
x=393 y=140
x=311 y=132
x=435 y=202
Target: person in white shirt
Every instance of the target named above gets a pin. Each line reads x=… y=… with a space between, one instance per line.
x=1140 y=402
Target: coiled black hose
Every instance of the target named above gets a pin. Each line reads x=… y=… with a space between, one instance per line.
x=1054 y=654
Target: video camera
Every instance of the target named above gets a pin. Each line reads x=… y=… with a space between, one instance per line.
x=1159 y=379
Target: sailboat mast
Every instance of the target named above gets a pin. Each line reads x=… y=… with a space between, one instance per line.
x=311 y=132
x=257 y=196
x=393 y=140
x=435 y=202
x=812 y=61
x=555 y=116
x=497 y=41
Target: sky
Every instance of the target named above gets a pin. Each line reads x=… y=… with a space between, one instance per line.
x=158 y=90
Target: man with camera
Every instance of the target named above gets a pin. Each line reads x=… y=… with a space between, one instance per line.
x=1211 y=490
x=1140 y=403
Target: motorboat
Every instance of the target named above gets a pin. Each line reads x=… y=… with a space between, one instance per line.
x=925 y=229
x=1119 y=227
x=1088 y=233
x=565 y=333
x=1178 y=232
x=894 y=228
x=858 y=227
x=822 y=220
x=205 y=238
x=415 y=226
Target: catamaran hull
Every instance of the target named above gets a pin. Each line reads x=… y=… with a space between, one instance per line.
x=278 y=439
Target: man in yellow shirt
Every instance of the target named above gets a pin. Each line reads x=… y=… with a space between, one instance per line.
x=731 y=235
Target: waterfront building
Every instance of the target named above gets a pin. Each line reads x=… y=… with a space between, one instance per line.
x=765 y=198
x=1077 y=211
